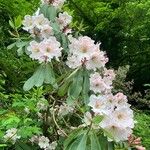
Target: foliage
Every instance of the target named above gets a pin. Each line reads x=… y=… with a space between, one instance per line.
x=142 y=128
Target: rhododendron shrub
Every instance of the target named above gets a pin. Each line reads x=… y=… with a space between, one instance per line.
x=80 y=104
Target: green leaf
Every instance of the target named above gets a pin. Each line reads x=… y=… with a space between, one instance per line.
x=86 y=87
x=49 y=75
x=72 y=137
x=11 y=24
x=74 y=145
x=95 y=145
x=29 y=84
x=82 y=144
x=76 y=87
x=18 y=22
x=23 y=146
x=36 y=80
x=3 y=145
x=49 y=12
x=56 y=29
x=97 y=119
x=29 y=131
x=20 y=51
x=11 y=45
x=63 y=89
x=64 y=42
x=39 y=76
x=111 y=146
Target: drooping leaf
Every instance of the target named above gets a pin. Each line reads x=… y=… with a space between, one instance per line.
x=82 y=144
x=23 y=146
x=76 y=87
x=36 y=80
x=95 y=145
x=86 y=86
x=49 y=75
x=72 y=137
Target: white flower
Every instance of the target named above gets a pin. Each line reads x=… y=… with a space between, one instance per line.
x=43 y=142
x=64 y=19
x=52 y=146
x=34 y=139
x=11 y=134
x=42 y=104
x=28 y=23
x=73 y=61
x=97 y=60
x=34 y=49
x=50 y=48
x=98 y=104
x=83 y=47
x=99 y=84
x=109 y=73
x=27 y=110
x=65 y=109
x=45 y=50
x=116 y=133
x=46 y=31
x=124 y=117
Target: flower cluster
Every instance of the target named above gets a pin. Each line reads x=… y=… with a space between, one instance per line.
x=55 y=3
x=44 y=142
x=11 y=135
x=117 y=115
x=83 y=51
x=45 y=50
x=37 y=25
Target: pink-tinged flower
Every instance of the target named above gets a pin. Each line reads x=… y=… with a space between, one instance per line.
x=140 y=147
x=34 y=49
x=40 y=20
x=45 y=50
x=50 y=48
x=96 y=60
x=109 y=74
x=99 y=85
x=38 y=26
x=116 y=132
x=83 y=47
x=124 y=117
x=43 y=142
x=28 y=23
x=73 y=61
x=64 y=19
x=121 y=100
x=98 y=104
x=46 y=31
